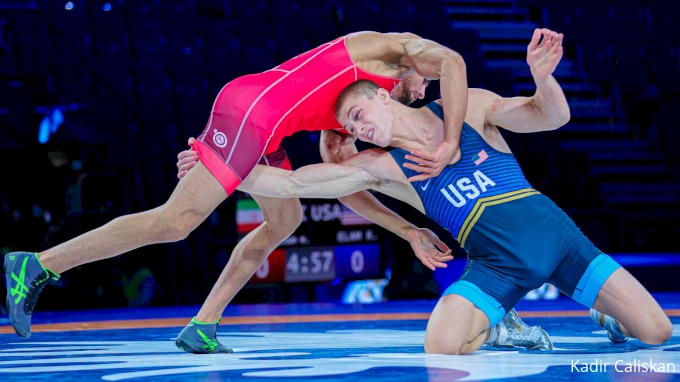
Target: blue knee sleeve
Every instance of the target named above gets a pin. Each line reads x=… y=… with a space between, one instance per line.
x=488 y=305
x=593 y=278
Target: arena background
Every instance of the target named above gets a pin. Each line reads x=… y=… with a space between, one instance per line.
x=98 y=97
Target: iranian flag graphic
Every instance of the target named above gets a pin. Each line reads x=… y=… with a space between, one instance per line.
x=248 y=215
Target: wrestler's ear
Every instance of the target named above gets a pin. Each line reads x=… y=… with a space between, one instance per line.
x=384 y=96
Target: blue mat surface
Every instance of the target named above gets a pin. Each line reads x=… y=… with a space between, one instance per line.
x=329 y=351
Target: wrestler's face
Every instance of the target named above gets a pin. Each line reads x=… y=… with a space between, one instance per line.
x=370 y=120
x=411 y=88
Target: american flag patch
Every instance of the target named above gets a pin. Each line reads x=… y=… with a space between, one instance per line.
x=480 y=157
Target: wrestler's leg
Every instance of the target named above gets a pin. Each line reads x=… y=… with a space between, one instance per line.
x=638 y=313
x=468 y=314
x=456 y=326
x=620 y=304
x=281 y=219
x=194 y=198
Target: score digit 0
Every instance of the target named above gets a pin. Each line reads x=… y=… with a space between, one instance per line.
x=357 y=261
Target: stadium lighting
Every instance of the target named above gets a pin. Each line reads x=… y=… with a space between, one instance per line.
x=49 y=125
x=69 y=6
x=44 y=131
x=57 y=119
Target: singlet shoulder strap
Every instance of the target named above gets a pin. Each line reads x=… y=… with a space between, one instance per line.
x=436 y=108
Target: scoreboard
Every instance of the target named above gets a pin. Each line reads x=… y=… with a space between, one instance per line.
x=332 y=242
x=301 y=264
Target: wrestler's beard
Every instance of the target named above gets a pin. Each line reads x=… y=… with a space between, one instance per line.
x=404 y=98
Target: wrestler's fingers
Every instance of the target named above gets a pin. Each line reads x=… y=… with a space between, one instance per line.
x=420 y=161
x=184 y=161
x=445 y=254
x=191 y=141
x=193 y=156
x=534 y=40
x=548 y=41
x=557 y=44
x=443 y=259
x=187 y=166
x=417 y=167
x=426 y=261
x=421 y=155
x=558 y=54
x=186 y=154
x=420 y=177
x=181 y=174
x=442 y=246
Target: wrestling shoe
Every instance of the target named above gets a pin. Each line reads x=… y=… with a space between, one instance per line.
x=201 y=338
x=25 y=278
x=512 y=331
x=609 y=324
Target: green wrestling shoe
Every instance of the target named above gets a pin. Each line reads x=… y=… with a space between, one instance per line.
x=25 y=278
x=201 y=338
x=512 y=331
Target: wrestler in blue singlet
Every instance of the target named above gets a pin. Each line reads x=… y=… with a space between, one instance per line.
x=516 y=238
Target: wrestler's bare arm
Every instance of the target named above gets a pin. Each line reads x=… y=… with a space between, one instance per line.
x=522 y=114
x=372 y=169
x=399 y=36
x=430 y=60
x=336 y=147
x=435 y=61
x=324 y=180
x=547 y=109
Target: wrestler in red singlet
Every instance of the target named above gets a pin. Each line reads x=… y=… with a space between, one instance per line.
x=253 y=113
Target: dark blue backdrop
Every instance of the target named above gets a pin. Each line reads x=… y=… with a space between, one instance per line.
x=114 y=88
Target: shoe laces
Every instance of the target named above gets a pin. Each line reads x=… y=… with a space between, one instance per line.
x=34 y=290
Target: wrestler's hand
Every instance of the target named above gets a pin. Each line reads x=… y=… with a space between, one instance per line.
x=430 y=165
x=543 y=58
x=186 y=160
x=431 y=251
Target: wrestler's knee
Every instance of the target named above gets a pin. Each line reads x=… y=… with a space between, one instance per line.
x=437 y=344
x=441 y=337
x=172 y=225
x=285 y=221
x=657 y=330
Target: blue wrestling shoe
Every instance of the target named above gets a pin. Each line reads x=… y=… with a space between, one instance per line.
x=25 y=278
x=201 y=338
x=512 y=331
x=609 y=324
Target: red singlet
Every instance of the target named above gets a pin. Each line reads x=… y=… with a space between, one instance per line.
x=253 y=113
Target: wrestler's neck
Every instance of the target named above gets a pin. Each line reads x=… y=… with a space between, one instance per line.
x=416 y=129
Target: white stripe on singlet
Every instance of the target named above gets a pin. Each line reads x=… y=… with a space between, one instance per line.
x=305 y=97
x=233 y=146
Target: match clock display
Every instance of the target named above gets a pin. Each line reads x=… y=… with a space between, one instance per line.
x=309 y=264
x=320 y=263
